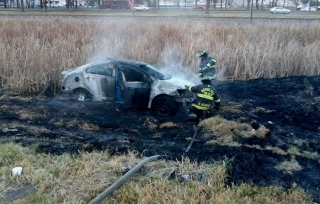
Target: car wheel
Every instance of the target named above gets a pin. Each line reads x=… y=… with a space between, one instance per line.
x=82 y=94
x=164 y=105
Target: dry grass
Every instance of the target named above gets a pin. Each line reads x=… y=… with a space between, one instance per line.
x=83 y=125
x=225 y=132
x=151 y=125
x=35 y=51
x=232 y=107
x=168 y=125
x=261 y=109
x=276 y=150
x=78 y=179
x=289 y=166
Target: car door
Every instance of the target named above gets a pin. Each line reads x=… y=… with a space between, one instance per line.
x=137 y=86
x=99 y=79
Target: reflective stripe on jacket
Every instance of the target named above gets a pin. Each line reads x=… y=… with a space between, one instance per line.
x=207 y=67
x=205 y=96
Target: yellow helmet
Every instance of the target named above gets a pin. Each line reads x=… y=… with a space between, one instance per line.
x=202 y=53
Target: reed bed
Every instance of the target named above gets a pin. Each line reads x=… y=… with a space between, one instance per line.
x=34 y=51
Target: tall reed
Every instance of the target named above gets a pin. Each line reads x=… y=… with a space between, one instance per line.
x=34 y=51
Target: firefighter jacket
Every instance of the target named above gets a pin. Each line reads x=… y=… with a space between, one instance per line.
x=207 y=67
x=205 y=96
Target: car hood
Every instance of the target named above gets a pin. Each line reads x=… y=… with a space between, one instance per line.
x=178 y=83
x=67 y=71
x=170 y=86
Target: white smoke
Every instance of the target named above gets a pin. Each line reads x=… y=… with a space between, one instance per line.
x=106 y=47
x=170 y=64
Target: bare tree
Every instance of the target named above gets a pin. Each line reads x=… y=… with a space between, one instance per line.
x=154 y=6
x=69 y=5
x=262 y=7
x=45 y=5
x=28 y=3
x=272 y=4
x=214 y=3
x=22 y=6
x=296 y=2
x=207 y=6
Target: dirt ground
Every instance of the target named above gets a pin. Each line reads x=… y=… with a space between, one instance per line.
x=288 y=107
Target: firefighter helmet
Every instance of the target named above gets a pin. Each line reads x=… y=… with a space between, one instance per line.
x=202 y=53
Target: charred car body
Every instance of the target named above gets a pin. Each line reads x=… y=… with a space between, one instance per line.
x=127 y=82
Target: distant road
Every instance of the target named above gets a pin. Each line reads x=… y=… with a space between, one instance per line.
x=163 y=12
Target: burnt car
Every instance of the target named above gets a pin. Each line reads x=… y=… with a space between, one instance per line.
x=127 y=82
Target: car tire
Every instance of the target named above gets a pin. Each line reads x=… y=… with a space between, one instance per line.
x=82 y=94
x=164 y=106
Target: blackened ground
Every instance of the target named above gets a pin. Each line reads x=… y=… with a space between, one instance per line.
x=289 y=107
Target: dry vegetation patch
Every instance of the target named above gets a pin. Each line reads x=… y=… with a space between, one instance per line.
x=289 y=166
x=168 y=125
x=225 y=132
x=150 y=123
x=32 y=62
x=232 y=107
x=78 y=179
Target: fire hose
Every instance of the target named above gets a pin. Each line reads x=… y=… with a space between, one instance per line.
x=193 y=138
x=122 y=180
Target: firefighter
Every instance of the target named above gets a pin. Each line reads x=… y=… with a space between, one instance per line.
x=206 y=96
x=207 y=65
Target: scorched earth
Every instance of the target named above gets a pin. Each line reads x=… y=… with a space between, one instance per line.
x=289 y=109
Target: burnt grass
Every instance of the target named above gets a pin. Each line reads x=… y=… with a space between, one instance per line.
x=289 y=107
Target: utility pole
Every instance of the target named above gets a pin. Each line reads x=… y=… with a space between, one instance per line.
x=132 y=7
x=251 y=10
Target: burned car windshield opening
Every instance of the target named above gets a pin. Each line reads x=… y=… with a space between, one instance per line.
x=153 y=71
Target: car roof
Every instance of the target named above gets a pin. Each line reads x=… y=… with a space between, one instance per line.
x=143 y=66
x=126 y=61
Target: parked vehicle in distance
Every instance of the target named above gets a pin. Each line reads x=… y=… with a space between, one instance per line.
x=127 y=82
x=279 y=10
x=308 y=9
x=140 y=7
x=198 y=7
x=221 y=6
x=301 y=6
x=57 y=5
